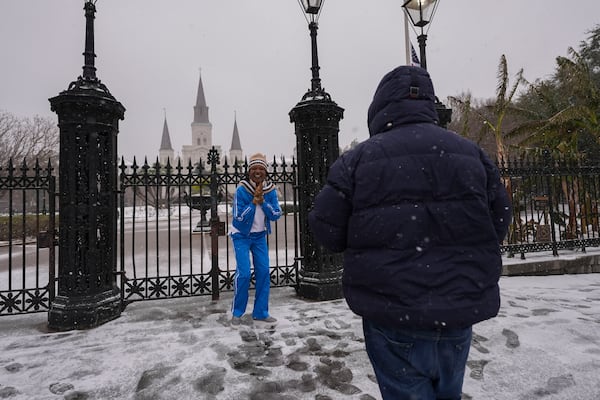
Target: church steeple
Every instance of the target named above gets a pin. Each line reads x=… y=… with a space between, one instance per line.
x=235 y=151
x=201 y=130
x=165 y=141
x=166 y=153
x=235 y=140
x=201 y=109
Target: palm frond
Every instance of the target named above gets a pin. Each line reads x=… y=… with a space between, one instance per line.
x=529 y=128
x=502 y=85
x=515 y=86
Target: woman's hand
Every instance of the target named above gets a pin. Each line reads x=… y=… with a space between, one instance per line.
x=258 y=195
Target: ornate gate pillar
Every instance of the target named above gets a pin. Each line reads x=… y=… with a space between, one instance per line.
x=316 y=120
x=88 y=117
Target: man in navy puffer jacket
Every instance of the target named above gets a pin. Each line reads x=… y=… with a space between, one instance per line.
x=419 y=213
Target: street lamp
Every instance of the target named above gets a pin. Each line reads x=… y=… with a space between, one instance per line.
x=421 y=13
x=316 y=118
x=312 y=7
x=312 y=10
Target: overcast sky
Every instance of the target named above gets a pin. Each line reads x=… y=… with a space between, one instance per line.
x=255 y=58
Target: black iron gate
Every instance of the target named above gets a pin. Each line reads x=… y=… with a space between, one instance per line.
x=556 y=203
x=173 y=222
x=27 y=238
x=173 y=219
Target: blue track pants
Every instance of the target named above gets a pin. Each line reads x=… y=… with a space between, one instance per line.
x=254 y=243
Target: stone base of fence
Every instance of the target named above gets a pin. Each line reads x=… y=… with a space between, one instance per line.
x=580 y=264
x=68 y=313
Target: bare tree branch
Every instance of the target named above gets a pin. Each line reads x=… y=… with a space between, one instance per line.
x=27 y=139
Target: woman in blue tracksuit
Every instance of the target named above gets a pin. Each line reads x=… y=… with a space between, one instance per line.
x=255 y=204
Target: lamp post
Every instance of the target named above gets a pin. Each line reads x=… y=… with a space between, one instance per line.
x=421 y=13
x=88 y=118
x=316 y=118
x=313 y=9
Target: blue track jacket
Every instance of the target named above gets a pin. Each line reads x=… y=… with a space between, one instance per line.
x=244 y=209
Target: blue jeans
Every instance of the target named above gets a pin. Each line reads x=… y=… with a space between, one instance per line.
x=255 y=244
x=418 y=364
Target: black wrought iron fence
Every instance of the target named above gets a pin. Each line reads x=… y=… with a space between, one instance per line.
x=27 y=243
x=173 y=222
x=173 y=225
x=555 y=204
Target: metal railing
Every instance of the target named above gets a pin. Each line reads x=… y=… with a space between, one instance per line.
x=173 y=221
x=173 y=224
x=555 y=204
x=27 y=243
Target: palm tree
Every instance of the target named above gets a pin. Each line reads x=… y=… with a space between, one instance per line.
x=590 y=51
x=562 y=110
x=495 y=111
x=504 y=98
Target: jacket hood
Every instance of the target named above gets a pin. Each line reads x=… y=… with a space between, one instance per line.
x=404 y=96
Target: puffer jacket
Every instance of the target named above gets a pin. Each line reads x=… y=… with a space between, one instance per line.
x=418 y=211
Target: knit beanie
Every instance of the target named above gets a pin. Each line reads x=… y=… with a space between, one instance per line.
x=257 y=159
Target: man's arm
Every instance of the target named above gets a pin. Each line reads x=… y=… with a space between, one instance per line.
x=499 y=202
x=328 y=219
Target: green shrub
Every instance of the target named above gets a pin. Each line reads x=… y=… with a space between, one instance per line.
x=288 y=207
x=28 y=231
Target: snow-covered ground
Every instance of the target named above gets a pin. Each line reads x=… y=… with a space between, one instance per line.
x=545 y=344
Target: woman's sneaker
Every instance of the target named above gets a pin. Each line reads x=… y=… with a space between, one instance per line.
x=269 y=319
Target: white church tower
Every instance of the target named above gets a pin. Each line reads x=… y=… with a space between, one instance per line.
x=202 y=138
x=201 y=131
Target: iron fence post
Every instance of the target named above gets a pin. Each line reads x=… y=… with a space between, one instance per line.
x=550 y=167
x=316 y=120
x=88 y=118
x=213 y=159
x=52 y=232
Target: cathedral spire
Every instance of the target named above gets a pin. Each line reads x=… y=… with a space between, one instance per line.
x=165 y=142
x=200 y=109
x=235 y=140
x=166 y=153
x=235 y=152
